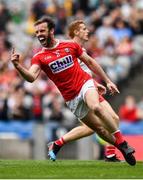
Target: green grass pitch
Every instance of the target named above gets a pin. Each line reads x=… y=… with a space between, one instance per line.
x=68 y=169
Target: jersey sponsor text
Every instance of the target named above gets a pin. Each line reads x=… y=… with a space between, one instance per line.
x=61 y=64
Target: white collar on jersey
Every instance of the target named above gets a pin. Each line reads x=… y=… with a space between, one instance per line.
x=57 y=43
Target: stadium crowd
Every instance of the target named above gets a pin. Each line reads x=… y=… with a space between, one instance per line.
x=116 y=28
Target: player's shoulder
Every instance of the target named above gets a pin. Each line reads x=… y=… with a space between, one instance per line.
x=38 y=53
x=68 y=42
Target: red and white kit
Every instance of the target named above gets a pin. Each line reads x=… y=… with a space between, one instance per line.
x=60 y=63
x=61 y=66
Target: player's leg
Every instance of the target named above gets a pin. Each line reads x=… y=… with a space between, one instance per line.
x=80 y=132
x=74 y=134
x=92 y=106
x=125 y=149
x=91 y=99
x=84 y=131
x=77 y=133
x=105 y=104
x=110 y=150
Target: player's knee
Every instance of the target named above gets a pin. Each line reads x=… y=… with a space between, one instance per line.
x=97 y=108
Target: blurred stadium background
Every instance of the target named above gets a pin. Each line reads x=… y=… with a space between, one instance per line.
x=33 y=114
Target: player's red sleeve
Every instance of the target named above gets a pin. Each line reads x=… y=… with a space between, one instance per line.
x=35 y=60
x=78 y=49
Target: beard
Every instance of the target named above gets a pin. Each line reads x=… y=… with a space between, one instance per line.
x=45 y=41
x=49 y=41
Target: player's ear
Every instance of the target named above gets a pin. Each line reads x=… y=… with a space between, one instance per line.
x=76 y=32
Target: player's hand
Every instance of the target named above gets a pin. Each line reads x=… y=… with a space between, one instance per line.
x=101 y=89
x=14 y=57
x=112 y=88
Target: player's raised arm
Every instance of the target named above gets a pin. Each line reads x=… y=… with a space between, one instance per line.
x=97 y=69
x=28 y=74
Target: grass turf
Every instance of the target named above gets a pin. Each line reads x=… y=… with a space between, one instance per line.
x=68 y=169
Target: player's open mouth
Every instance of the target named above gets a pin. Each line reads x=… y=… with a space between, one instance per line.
x=42 y=39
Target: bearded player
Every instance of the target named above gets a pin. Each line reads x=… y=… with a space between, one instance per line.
x=79 y=33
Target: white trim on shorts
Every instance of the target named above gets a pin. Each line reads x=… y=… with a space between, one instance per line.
x=78 y=105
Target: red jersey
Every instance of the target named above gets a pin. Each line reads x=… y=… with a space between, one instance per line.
x=61 y=66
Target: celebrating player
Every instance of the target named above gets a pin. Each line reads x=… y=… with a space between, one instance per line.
x=59 y=60
x=80 y=34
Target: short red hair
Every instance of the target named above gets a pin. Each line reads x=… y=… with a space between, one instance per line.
x=74 y=26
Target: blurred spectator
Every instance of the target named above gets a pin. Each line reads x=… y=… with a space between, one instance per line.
x=129 y=111
x=105 y=31
x=109 y=46
x=4 y=17
x=3 y=105
x=37 y=105
x=124 y=47
x=81 y=5
x=79 y=15
x=15 y=103
x=61 y=20
x=56 y=117
x=38 y=9
x=93 y=48
x=17 y=12
x=121 y=30
x=95 y=20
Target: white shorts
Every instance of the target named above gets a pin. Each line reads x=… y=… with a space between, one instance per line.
x=78 y=105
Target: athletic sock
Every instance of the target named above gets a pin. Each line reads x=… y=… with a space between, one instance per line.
x=118 y=136
x=60 y=142
x=109 y=151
